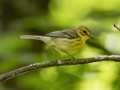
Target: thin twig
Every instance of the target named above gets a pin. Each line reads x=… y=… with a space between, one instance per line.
x=68 y=62
x=116 y=27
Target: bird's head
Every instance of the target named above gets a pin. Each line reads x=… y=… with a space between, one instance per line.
x=84 y=32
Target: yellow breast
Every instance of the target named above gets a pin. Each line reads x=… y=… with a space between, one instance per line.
x=75 y=46
x=70 y=46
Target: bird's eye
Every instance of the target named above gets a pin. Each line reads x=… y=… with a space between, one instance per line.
x=84 y=31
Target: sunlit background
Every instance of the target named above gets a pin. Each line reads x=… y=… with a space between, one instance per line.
x=38 y=17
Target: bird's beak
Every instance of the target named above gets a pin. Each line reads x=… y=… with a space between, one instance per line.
x=91 y=36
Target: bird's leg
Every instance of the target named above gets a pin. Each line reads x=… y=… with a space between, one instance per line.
x=68 y=54
x=54 y=52
x=63 y=51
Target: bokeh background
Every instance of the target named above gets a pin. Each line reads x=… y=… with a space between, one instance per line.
x=38 y=17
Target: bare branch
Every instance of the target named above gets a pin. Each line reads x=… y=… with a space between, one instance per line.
x=35 y=66
x=116 y=27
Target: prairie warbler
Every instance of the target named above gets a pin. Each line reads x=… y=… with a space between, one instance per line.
x=68 y=41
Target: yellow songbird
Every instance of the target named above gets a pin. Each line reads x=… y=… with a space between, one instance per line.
x=68 y=41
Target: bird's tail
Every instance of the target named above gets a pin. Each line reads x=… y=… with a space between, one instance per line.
x=46 y=39
x=35 y=37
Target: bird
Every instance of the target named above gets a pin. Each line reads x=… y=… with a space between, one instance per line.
x=68 y=41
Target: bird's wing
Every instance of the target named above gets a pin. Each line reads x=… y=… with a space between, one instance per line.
x=71 y=34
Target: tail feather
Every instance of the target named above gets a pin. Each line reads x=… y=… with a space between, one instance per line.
x=30 y=37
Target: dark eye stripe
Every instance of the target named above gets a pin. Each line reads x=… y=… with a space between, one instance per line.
x=83 y=34
x=84 y=31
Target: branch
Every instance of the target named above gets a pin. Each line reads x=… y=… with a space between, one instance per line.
x=35 y=66
x=116 y=27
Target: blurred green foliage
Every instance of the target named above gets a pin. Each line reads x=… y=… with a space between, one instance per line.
x=38 y=17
